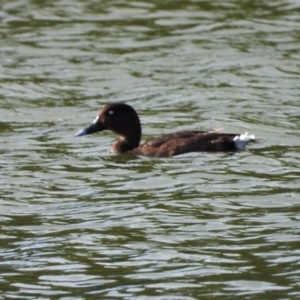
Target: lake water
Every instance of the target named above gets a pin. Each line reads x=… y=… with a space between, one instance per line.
x=80 y=223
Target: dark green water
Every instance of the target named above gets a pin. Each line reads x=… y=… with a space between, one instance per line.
x=80 y=223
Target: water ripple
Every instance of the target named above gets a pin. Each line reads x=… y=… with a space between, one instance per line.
x=77 y=221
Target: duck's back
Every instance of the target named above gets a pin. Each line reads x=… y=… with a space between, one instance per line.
x=187 y=141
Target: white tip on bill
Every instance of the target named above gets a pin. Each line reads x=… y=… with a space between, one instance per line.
x=80 y=132
x=242 y=140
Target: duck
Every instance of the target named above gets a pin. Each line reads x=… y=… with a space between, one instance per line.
x=123 y=120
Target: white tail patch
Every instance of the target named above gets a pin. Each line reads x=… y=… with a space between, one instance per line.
x=242 y=140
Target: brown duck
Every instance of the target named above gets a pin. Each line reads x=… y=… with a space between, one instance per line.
x=123 y=120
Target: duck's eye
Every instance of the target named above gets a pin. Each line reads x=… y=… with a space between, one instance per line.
x=110 y=112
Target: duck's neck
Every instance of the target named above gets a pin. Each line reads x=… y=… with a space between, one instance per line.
x=126 y=143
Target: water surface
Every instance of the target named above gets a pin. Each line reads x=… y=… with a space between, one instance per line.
x=80 y=223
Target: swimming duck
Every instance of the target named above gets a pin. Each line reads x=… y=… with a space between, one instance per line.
x=123 y=119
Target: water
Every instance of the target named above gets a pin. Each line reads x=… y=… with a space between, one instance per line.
x=80 y=223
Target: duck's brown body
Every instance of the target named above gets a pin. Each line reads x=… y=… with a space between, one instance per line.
x=186 y=141
x=123 y=120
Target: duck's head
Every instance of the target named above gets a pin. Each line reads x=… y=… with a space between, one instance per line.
x=120 y=118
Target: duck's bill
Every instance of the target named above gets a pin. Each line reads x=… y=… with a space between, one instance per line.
x=94 y=127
